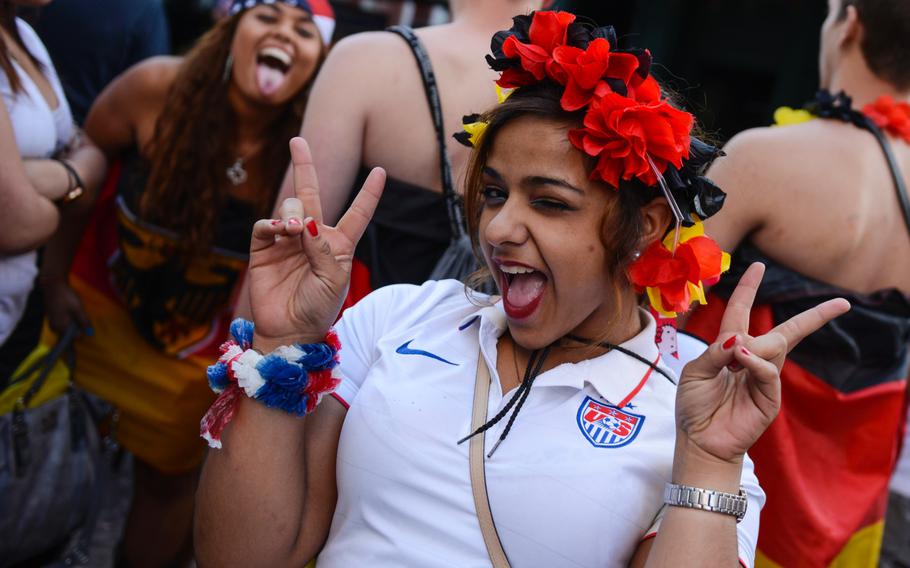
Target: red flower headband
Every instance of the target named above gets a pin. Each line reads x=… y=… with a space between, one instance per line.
x=635 y=135
x=632 y=132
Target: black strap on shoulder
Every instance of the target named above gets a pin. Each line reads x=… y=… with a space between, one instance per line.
x=899 y=185
x=453 y=201
x=840 y=106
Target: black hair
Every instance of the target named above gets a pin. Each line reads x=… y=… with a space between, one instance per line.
x=886 y=43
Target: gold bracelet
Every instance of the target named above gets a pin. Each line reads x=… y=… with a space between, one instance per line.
x=76 y=187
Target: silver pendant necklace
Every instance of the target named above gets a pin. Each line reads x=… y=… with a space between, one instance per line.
x=236 y=173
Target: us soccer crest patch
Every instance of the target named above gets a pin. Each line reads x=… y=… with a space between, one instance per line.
x=606 y=426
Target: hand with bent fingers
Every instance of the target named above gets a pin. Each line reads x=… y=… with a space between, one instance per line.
x=729 y=395
x=299 y=268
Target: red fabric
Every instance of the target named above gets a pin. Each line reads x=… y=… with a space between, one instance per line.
x=220 y=413
x=695 y=260
x=99 y=242
x=548 y=30
x=585 y=70
x=622 y=134
x=360 y=285
x=891 y=116
x=825 y=462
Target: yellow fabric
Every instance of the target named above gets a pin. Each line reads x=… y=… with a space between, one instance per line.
x=861 y=551
x=476 y=130
x=863 y=548
x=188 y=299
x=503 y=94
x=54 y=385
x=786 y=116
x=161 y=398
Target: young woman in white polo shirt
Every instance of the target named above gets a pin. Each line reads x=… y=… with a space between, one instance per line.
x=571 y=197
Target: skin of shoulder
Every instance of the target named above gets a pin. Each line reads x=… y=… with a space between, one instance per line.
x=761 y=168
x=131 y=103
x=338 y=109
x=365 y=57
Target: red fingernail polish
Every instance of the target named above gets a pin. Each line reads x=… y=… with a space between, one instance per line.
x=275 y=222
x=293 y=221
x=729 y=343
x=746 y=352
x=734 y=366
x=312 y=228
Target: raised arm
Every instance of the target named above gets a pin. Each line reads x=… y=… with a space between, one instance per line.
x=267 y=497
x=726 y=399
x=334 y=121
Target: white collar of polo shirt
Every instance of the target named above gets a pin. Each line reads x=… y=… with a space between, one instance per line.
x=626 y=376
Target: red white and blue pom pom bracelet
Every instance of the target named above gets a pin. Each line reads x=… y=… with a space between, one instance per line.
x=293 y=378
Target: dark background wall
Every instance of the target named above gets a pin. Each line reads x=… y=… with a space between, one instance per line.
x=733 y=62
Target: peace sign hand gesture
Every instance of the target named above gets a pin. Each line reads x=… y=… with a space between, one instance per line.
x=729 y=395
x=299 y=268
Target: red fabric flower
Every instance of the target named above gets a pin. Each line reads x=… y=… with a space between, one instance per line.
x=548 y=29
x=623 y=134
x=547 y=32
x=585 y=70
x=697 y=259
x=644 y=90
x=891 y=116
x=533 y=59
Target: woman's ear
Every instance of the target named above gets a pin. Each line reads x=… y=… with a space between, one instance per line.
x=656 y=219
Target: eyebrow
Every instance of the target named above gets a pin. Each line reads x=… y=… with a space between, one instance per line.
x=534 y=180
x=544 y=180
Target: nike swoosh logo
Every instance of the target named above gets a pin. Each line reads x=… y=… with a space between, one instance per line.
x=405 y=350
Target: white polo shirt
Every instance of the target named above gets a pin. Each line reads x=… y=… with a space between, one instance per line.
x=578 y=481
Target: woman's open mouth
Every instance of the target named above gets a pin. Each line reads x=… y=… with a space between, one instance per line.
x=522 y=289
x=272 y=66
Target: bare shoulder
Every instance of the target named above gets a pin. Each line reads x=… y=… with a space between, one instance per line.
x=773 y=157
x=151 y=78
x=368 y=51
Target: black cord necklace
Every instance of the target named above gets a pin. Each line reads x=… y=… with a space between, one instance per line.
x=535 y=364
x=624 y=351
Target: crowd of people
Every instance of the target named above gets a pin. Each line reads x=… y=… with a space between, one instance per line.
x=478 y=313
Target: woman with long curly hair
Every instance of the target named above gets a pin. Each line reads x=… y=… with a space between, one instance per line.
x=202 y=145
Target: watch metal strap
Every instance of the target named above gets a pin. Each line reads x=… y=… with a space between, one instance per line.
x=706 y=500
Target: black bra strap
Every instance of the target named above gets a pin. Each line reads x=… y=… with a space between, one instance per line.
x=453 y=201
x=892 y=165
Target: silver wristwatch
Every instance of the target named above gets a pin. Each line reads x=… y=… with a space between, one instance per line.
x=706 y=500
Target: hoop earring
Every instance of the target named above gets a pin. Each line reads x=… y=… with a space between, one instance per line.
x=228 y=67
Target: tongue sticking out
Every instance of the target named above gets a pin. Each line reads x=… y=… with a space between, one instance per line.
x=269 y=79
x=525 y=288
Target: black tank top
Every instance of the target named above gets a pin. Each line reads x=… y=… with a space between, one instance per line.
x=413 y=226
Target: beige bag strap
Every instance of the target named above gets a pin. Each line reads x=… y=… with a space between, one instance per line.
x=478 y=476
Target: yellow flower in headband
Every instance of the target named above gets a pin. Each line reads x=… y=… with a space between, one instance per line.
x=502 y=94
x=474 y=128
